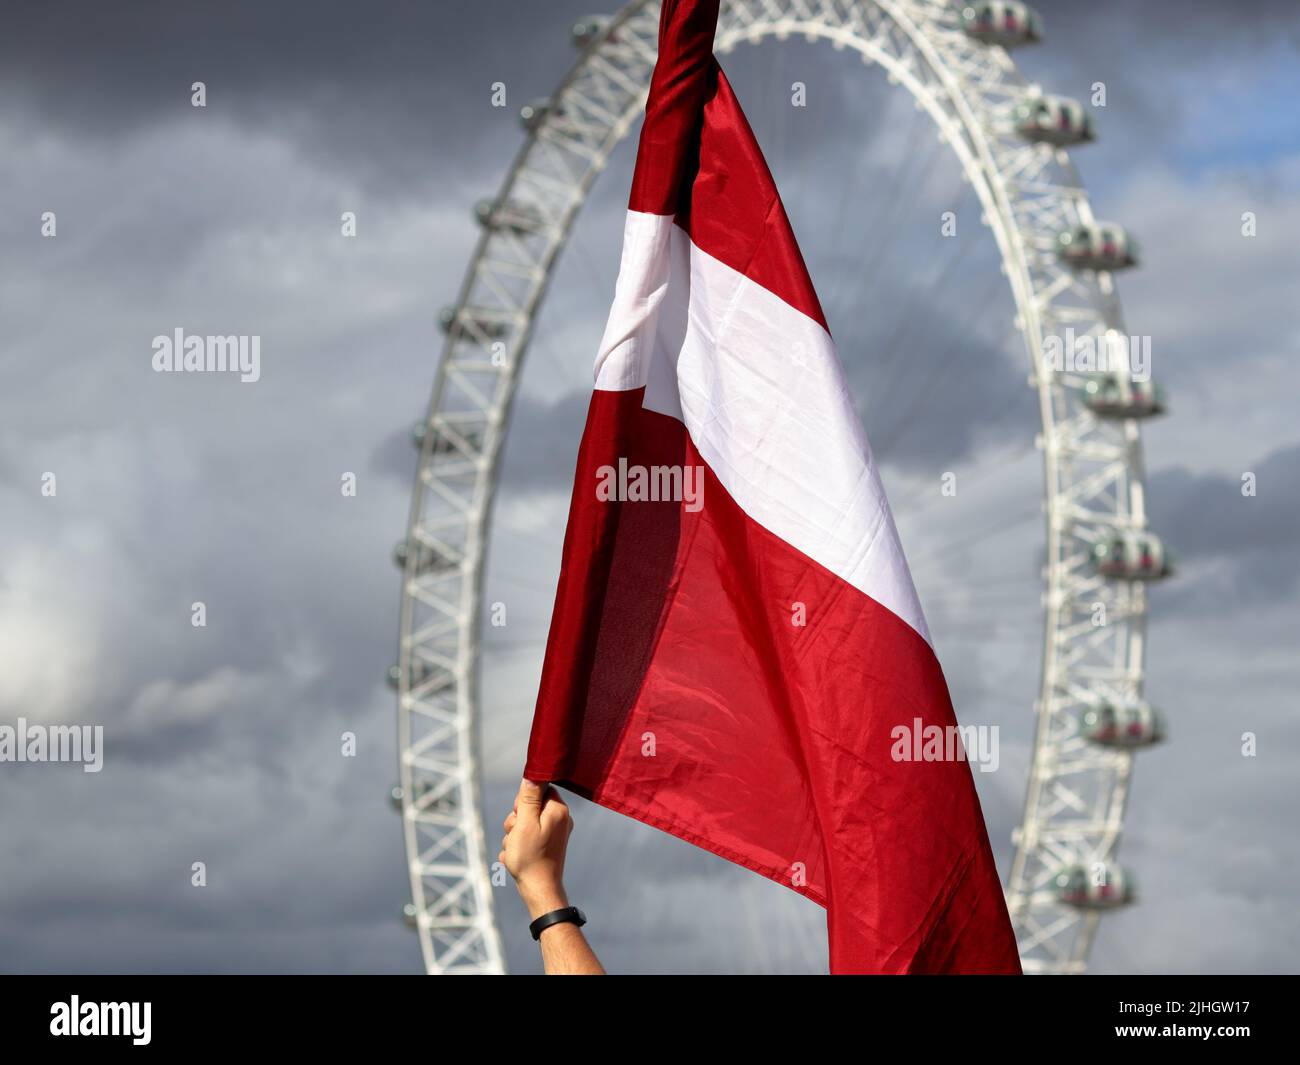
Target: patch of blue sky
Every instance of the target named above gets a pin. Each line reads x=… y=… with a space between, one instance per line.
x=1242 y=119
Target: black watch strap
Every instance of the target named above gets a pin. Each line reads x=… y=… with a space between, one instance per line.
x=568 y=915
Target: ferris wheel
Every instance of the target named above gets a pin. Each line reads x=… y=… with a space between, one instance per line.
x=1010 y=140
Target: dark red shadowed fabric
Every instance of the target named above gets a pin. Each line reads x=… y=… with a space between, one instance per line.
x=681 y=81
x=733 y=212
x=698 y=160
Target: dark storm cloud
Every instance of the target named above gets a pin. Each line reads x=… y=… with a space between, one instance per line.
x=397 y=456
x=395 y=91
x=933 y=392
x=1242 y=548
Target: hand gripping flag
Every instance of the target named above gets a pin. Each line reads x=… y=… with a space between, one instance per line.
x=737 y=654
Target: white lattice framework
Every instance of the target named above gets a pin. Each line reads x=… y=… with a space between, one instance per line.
x=1093 y=481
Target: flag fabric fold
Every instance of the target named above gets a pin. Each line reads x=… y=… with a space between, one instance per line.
x=736 y=641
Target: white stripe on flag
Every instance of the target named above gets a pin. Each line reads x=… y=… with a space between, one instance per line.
x=760 y=389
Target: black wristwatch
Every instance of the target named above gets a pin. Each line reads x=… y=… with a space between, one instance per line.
x=568 y=915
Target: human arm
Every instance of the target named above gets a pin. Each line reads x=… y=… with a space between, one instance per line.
x=533 y=850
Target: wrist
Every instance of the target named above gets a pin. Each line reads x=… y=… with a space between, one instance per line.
x=543 y=897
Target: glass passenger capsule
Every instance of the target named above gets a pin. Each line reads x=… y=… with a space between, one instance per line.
x=1125 y=725
x=1055 y=120
x=518 y=218
x=1097 y=246
x=1003 y=22
x=533 y=114
x=587 y=29
x=443 y=444
x=427 y=560
x=1110 y=396
x=1132 y=555
x=1096 y=886
x=471 y=323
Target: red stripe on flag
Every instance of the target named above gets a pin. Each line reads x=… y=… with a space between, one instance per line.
x=733 y=211
x=682 y=81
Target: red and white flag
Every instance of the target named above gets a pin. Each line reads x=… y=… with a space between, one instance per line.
x=736 y=639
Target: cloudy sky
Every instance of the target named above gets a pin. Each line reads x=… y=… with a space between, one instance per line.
x=223 y=742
